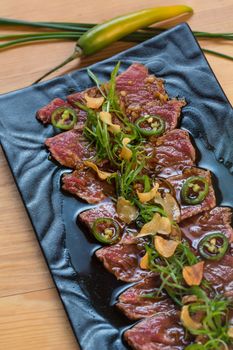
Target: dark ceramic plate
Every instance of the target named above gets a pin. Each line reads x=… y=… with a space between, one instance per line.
x=86 y=289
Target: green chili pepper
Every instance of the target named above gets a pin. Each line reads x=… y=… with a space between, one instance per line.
x=106 y=33
x=194 y=190
x=64 y=118
x=106 y=230
x=213 y=246
x=102 y=35
x=150 y=125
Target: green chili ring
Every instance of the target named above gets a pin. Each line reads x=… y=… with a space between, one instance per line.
x=61 y=118
x=156 y=130
x=194 y=190
x=209 y=247
x=109 y=233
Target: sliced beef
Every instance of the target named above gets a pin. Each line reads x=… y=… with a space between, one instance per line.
x=136 y=82
x=190 y=210
x=169 y=112
x=215 y=220
x=171 y=153
x=220 y=275
x=76 y=97
x=123 y=261
x=160 y=332
x=108 y=209
x=85 y=185
x=105 y=210
x=69 y=148
x=141 y=300
x=79 y=97
x=141 y=93
x=44 y=114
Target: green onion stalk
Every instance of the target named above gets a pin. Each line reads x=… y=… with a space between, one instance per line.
x=90 y=38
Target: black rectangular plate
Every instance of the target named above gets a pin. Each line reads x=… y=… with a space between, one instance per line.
x=86 y=289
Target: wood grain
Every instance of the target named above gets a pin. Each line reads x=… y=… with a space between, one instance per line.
x=31 y=315
x=34 y=321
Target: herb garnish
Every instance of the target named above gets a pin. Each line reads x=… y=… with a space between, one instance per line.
x=212 y=311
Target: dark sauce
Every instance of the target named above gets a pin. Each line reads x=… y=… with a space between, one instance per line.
x=98 y=284
x=222 y=177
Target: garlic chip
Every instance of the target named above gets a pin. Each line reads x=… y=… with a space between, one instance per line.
x=106 y=117
x=165 y=247
x=126 y=211
x=176 y=232
x=189 y=299
x=158 y=224
x=165 y=226
x=151 y=227
x=193 y=274
x=169 y=204
x=126 y=153
x=147 y=196
x=103 y=175
x=144 y=262
x=94 y=102
x=187 y=320
x=230 y=332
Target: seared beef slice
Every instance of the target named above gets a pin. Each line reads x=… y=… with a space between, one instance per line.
x=69 y=148
x=123 y=261
x=191 y=210
x=86 y=185
x=105 y=210
x=171 y=153
x=160 y=332
x=44 y=114
x=142 y=300
x=141 y=93
x=214 y=220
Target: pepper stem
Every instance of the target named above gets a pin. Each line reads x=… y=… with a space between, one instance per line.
x=76 y=54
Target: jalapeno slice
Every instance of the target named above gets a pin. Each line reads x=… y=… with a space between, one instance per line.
x=150 y=125
x=194 y=190
x=106 y=230
x=176 y=233
x=213 y=246
x=64 y=118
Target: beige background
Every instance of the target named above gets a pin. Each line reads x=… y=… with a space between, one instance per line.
x=31 y=314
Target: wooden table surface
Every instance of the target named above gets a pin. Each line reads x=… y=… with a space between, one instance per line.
x=31 y=314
